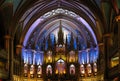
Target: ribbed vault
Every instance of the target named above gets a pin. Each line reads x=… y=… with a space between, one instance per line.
x=40 y=9
x=71 y=21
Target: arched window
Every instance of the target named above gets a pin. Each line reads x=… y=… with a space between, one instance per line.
x=32 y=69
x=39 y=70
x=82 y=70
x=60 y=67
x=89 y=69
x=49 y=69
x=95 y=67
x=72 y=69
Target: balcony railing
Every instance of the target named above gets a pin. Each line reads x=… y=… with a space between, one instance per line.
x=3 y=54
x=3 y=74
x=113 y=71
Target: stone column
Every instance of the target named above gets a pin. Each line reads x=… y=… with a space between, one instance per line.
x=107 y=44
x=12 y=58
x=7 y=48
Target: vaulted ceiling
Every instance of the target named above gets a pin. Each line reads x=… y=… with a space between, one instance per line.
x=28 y=19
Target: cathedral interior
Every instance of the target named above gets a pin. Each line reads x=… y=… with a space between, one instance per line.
x=59 y=40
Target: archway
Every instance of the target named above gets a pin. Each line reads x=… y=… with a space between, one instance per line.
x=80 y=39
x=60 y=67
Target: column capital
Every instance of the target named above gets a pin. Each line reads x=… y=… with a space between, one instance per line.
x=101 y=47
x=109 y=39
x=100 y=44
x=117 y=18
x=107 y=35
x=18 y=49
x=19 y=46
x=7 y=36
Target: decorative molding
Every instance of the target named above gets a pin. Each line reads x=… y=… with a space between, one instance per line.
x=7 y=36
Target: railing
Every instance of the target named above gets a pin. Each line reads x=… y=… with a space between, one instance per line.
x=3 y=72
x=114 y=70
x=3 y=54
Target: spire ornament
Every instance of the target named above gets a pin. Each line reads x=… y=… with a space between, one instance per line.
x=60 y=35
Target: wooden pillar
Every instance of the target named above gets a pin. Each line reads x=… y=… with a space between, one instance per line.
x=107 y=44
x=12 y=58
x=7 y=48
x=7 y=42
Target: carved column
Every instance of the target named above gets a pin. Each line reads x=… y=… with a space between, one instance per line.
x=19 y=53
x=7 y=48
x=107 y=44
x=12 y=57
x=7 y=42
